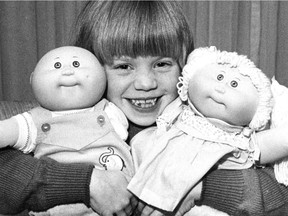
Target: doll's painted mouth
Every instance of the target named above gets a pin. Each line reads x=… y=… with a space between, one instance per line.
x=71 y=85
x=217 y=101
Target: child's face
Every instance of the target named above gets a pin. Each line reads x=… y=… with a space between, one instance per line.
x=218 y=91
x=142 y=87
x=68 y=78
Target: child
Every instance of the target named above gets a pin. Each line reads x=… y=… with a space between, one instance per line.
x=72 y=123
x=139 y=44
x=229 y=99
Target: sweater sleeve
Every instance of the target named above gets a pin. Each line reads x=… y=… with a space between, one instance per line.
x=245 y=192
x=39 y=184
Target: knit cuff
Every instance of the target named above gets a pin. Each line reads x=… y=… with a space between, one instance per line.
x=16 y=173
x=223 y=190
x=59 y=183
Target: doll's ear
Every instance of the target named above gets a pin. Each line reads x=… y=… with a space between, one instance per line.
x=31 y=77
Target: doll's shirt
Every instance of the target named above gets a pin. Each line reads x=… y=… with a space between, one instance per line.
x=169 y=161
x=84 y=136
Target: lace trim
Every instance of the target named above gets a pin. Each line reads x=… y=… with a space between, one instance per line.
x=203 y=129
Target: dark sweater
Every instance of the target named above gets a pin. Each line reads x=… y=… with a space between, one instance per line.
x=30 y=183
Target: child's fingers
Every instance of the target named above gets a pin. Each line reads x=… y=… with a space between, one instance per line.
x=140 y=207
x=128 y=210
x=156 y=213
x=134 y=203
x=147 y=210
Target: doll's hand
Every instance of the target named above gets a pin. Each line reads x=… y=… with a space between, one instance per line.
x=108 y=193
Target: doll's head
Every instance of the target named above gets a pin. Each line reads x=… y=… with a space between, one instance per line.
x=68 y=78
x=226 y=86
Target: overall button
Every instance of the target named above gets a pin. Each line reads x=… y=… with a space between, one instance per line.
x=237 y=154
x=45 y=127
x=101 y=120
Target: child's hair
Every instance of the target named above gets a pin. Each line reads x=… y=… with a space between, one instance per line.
x=134 y=28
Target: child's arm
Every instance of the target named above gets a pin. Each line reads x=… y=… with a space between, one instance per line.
x=273 y=144
x=38 y=184
x=9 y=132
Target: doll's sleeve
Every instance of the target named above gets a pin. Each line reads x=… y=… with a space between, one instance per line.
x=39 y=184
x=245 y=192
x=27 y=133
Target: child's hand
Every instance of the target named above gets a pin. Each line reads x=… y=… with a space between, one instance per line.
x=108 y=193
x=144 y=210
x=187 y=203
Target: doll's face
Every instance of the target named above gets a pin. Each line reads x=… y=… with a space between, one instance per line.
x=218 y=91
x=68 y=78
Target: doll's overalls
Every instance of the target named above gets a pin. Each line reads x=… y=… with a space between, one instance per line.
x=171 y=158
x=85 y=137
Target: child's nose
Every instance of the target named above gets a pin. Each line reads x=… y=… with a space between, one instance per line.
x=145 y=81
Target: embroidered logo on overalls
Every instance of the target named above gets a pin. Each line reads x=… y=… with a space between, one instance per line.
x=111 y=161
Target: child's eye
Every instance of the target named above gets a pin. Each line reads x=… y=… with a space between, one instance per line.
x=57 y=65
x=220 y=77
x=76 y=64
x=234 y=83
x=163 y=63
x=122 y=67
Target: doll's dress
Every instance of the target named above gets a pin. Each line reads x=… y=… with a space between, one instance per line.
x=171 y=158
x=82 y=137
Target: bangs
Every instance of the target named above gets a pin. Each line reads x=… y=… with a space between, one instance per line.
x=140 y=31
x=156 y=44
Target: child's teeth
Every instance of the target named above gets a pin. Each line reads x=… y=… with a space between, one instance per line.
x=144 y=103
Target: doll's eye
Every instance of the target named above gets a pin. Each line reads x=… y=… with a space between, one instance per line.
x=57 y=65
x=76 y=64
x=220 y=77
x=234 y=83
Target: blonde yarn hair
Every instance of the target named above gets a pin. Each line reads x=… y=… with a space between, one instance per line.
x=207 y=55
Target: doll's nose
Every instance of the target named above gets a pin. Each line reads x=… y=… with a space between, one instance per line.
x=220 y=88
x=67 y=71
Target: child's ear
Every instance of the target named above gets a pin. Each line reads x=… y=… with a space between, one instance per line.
x=31 y=77
x=182 y=61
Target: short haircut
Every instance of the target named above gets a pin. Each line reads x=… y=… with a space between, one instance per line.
x=134 y=28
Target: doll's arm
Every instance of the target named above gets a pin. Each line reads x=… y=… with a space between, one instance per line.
x=273 y=144
x=9 y=132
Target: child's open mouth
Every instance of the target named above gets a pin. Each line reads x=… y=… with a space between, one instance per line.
x=144 y=103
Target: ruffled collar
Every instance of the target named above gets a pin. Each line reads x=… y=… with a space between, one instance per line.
x=217 y=122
